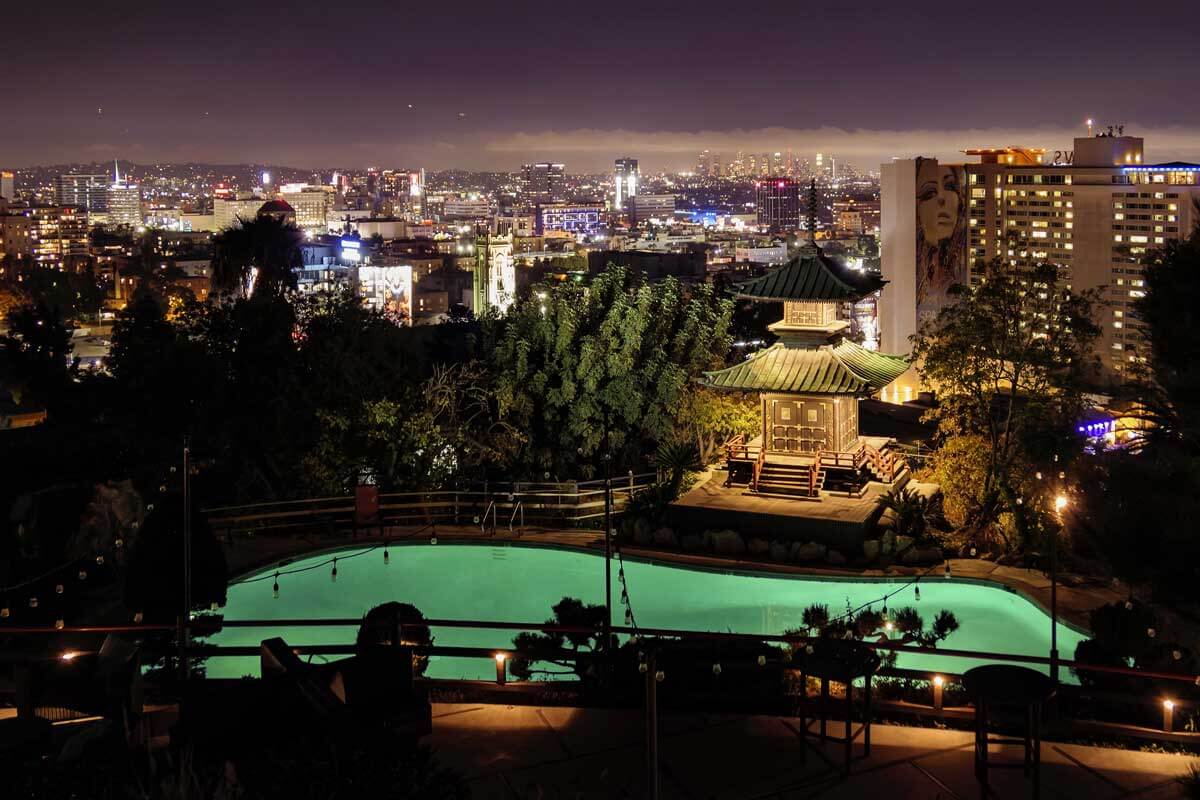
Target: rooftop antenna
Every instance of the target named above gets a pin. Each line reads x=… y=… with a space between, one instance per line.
x=116 y=171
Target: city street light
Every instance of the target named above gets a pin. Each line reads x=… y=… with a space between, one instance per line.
x=1060 y=503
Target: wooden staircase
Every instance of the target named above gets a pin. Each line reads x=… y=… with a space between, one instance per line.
x=796 y=480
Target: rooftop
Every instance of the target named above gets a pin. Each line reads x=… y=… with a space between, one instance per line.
x=842 y=368
x=810 y=276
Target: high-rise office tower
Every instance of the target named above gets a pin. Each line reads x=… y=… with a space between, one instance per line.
x=8 y=189
x=703 y=163
x=625 y=180
x=778 y=203
x=1094 y=212
x=89 y=192
x=124 y=201
x=542 y=183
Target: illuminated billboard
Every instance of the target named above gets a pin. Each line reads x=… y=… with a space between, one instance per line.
x=388 y=289
x=941 y=233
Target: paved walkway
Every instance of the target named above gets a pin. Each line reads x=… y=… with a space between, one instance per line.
x=512 y=752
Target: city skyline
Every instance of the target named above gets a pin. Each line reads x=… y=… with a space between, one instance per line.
x=379 y=85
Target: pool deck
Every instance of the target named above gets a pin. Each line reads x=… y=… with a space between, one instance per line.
x=515 y=752
x=1075 y=598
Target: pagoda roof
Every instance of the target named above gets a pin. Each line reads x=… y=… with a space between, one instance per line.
x=812 y=275
x=842 y=368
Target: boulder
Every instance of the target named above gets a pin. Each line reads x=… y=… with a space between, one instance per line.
x=726 y=543
x=665 y=537
x=812 y=551
x=642 y=530
x=691 y=542
x=758 y=547
x=904 y=543
x=835 y=558
x=779 y=551
x=887 y=543
x=921 y=555
x=871 y=549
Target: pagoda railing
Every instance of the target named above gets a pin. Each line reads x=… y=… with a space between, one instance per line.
x=758 y=466
x=885 y=465
x=738 y=449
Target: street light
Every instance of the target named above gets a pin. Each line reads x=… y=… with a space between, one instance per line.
x=1060 y=503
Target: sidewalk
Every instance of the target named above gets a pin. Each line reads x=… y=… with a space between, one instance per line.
x=523 y=752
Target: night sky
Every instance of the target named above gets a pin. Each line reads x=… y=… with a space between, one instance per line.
x=488 y=85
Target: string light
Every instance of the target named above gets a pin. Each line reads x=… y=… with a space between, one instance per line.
x=947 y=574
x=333 y=572
x=716 y=669
x=58 y=588
x=386 y=558
x=660 y=676
x=4 y=612
x=33 y=602
x=917 y=593
x=59 y=624
x=138 y=617
x=83 y=574
x=275 y=587
x=762 y=661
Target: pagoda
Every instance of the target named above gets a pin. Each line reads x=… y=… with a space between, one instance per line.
x=809 y=383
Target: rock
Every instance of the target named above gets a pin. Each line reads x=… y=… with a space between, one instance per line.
x=665 y=537
x=811 y=551
x=642 y=525
x=904 y=543
x=887 y=543
x=921 y=555
x=835 y=558
x=692 y=542
x=871 y=549
x=758 y=547
x=779 y=551
x=727 y=543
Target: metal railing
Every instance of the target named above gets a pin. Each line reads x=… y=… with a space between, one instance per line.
x=574 y=503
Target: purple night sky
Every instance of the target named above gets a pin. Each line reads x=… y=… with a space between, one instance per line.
x=488 y=85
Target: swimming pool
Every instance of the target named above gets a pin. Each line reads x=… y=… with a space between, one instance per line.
x=519 y=583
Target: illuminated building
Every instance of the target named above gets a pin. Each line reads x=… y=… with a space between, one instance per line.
x=585 y=219
x=855 y=217
x=541 y=183
x=647 y=207
x=778 y=203
x=228 y=211
x=1093 y=211
x=16 y=235
x=124 y=203
x=473 y=208
x=311 y=205
x=625 y=181
x=56 y=234
x=8 y=189
x=89 y=192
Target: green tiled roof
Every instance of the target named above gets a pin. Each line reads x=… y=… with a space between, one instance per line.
x=843 y=368
x=809 y=276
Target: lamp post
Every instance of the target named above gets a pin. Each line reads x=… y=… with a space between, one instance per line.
x=1060 y=502
x=607 y=457
x=185 y=667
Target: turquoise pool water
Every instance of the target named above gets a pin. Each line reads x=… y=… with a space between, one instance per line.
x=518 y=583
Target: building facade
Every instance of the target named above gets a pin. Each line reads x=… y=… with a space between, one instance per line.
x=542 y=183
x=778 y=203
x=581 y=219
x=124 y=201
x=647 y=207
x=89 y=192
x=1094 y=212
x=625 y=181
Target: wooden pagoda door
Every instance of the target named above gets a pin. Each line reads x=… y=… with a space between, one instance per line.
x=816 y=418
x=783 y=435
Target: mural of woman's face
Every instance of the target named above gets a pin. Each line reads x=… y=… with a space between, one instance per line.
x=937 y=201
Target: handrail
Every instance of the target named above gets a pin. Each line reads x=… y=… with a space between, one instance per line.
x=205 y=626
x=520 y=506
x=758 y=466
x=491 y=509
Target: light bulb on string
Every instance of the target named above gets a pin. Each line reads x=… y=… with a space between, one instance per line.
x=213 y=606
x=83 y=574
x=275 y=587
x=4 y=612
x=660 y=676
x=947 y=573
x=716 y=669
x=333 y=572
x=162 y=489
x=59 y=624
x=33 y=602
x=58 y=588
x=917 y=592
x=386 y=557
x=762 y=661
x=149 y=507
x=99 y=561
x=642 y=667
x=138 y=617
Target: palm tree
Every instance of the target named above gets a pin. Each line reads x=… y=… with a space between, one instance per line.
x=913 y=514
x=258 y=256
